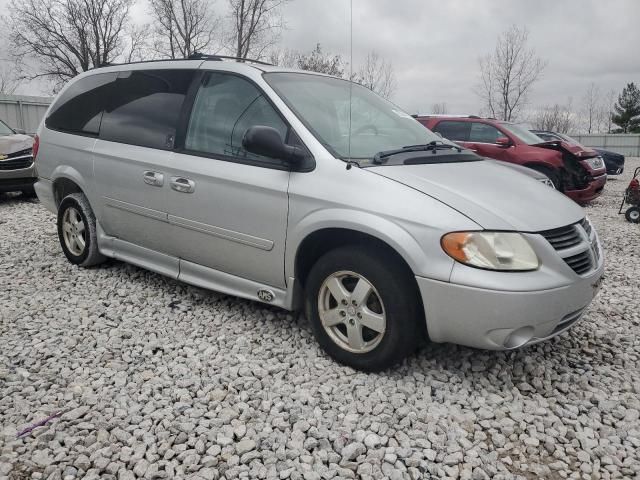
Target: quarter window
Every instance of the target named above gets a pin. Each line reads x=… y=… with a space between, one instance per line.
x=224 y=108
x=483 y=133
x=456 y=131
x=79 y=108
x=145 y=106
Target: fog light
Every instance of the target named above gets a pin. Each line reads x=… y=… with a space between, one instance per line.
x=518 y=337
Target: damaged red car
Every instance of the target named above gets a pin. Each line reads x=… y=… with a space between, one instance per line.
x=575 y=170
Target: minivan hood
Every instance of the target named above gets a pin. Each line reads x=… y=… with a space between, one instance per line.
x=14 y=143
x=492 y=195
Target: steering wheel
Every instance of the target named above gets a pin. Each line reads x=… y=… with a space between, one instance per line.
x=366 y=127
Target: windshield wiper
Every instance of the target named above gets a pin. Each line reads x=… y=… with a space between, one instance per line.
x=433 y=146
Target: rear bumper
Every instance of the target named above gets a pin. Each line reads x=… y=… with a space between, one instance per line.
x=593 y=191
x=44 y=191
x=503 y=320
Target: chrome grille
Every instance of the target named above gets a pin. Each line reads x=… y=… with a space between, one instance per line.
x=580 y=263
x=577 y=245
x=16 y=163
x=564 y=237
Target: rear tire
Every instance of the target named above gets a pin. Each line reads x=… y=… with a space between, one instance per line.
x=77 y=231
x=632 y=214
x=373 y=321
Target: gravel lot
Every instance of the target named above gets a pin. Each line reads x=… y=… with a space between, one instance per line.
x=157 y=379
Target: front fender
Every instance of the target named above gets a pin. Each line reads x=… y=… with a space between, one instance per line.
x=412 y=250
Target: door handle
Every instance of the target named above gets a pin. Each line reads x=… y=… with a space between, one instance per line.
x=153 y=178
x=184 y=185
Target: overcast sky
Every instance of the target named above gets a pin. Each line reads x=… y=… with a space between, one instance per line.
x=434 y=45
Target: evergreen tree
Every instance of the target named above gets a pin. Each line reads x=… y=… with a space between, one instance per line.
x=627 y=109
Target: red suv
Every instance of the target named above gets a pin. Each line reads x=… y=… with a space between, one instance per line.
x=575 y=170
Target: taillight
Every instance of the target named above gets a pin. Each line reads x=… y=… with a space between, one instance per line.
x=36 y=146
x=634 y=184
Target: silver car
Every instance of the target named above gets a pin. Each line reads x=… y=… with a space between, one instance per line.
x=306 y=191
x=17 y=172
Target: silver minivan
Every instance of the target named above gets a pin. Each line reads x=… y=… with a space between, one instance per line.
x=307 y=191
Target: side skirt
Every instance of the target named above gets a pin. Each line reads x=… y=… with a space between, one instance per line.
x=199 y=275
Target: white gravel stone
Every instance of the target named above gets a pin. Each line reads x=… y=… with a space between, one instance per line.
x=158 y=379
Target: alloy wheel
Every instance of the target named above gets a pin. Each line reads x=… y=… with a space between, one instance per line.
x=73 y=231
x=351 y=311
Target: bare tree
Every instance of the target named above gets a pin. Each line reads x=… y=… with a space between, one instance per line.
x=256 y=26
x=319 y=61
x=591 y=109
x=284 y=57
x=377 y=74
x=607 y=109
x=138 y=43
x=66 y=37
x=8 y=82
x=507 y=74
x=556 y=118
x=439 y=108
x=183 y=27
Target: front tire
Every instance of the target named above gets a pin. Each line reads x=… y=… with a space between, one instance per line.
x=632 y=214
x=364 y=307
x=77 y=231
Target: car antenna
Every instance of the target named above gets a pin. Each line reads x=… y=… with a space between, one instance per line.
x=350 y=162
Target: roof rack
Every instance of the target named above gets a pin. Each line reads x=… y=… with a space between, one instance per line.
x=193 y=56
x=440 y=115
x=206 y=56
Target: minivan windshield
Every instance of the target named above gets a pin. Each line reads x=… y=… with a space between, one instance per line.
x=4 y=129
x=322 y=104
x=522 y=133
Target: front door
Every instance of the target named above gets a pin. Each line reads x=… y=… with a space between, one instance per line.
x=228 y=208
x=482 y=140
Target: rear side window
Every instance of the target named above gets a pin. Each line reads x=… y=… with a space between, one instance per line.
x=457 y=131
x=483 y=133
x=224 y=108
x=144 y=107
x=79 y=109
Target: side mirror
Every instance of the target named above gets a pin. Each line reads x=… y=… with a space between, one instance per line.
x=263 y=140
x=503 y=142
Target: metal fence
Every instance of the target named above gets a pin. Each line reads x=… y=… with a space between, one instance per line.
x=23 y=112
x=627 y=144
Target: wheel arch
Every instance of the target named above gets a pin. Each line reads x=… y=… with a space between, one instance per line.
x=334 y=227
x=320 y=241
x=67 y=180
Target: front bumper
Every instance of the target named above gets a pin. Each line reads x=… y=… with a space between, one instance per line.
x=593 y=191
x=17 y=179
x=503 y=320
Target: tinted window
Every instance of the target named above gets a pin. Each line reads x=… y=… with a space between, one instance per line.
x=225 y=107
x=483 y=133
x=79 y=109
x=457 y=131
x=144 y=107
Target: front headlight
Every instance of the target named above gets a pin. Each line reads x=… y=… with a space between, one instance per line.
x=595 y=162
x=491 y=250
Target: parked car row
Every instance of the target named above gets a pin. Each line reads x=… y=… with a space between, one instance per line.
x=577 y=171
x=309 y=192
x=17 y=172
x=613 y=161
